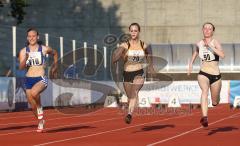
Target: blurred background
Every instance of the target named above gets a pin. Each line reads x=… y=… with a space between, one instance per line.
x=94 y=28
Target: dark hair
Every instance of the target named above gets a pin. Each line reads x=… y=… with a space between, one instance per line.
x=136 y=24
x=210 y=24
x=32 y=29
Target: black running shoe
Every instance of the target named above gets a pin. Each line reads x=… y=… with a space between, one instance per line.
x=204 y=121
x=128 y=119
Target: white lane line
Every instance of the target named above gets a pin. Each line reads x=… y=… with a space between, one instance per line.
x=29 y=115
x=68 y=117
x=57 y=112
x=109 y=131
x=187 y=132
x=62 y=126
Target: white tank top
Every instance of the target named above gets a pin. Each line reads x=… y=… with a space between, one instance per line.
x=135 y=56
x=35 y=58
x=206 y=53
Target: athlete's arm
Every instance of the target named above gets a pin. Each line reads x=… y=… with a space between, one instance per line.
x=54 y=67
x=218 y=49
x=194 y=56
x=149 y=57
x=117 y=54
x=54 y=53
x=22 y=58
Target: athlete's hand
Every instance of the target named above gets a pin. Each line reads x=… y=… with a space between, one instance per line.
x=28 y=62
x=151 y=70
x=26 y=55
x=53 y=71
x=151 y=73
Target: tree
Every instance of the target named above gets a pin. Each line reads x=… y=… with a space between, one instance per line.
x=17 y=10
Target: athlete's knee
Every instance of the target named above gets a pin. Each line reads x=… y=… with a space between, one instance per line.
x=132 y=97
x=29 y=98
x=204 y=93
x=34 y=94
x=134 y=94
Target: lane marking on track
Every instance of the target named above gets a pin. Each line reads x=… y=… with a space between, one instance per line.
x=29 y=115
x=62 y=126
x=110 y=131
x=189 y=131
x=67 y=117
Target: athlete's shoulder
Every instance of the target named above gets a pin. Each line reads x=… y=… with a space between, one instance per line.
x=22 y=54
x=45 y=49
x=216 y=44
x=124 y=44
x=215 y=41
x=144 y=45
x=23 y=50
x=199 y=42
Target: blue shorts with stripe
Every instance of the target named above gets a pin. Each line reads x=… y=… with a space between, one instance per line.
x=31 y=81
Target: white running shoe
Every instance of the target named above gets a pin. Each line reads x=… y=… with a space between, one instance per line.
x=40 y=113
x=41 y=126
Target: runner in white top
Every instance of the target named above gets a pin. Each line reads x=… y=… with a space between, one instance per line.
x=32 y=58
x=209 y=77
x=133 y=52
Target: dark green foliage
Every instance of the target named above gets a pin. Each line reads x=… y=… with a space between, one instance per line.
x=17 y=9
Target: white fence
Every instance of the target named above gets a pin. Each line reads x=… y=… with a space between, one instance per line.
x=176 y=56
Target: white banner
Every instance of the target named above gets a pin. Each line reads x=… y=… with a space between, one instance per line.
x=63 y=96
x=7 y=96
x=187 y=92
x=65 y=92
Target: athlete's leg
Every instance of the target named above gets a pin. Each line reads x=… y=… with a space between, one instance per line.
x=35 y=95
x=128 y=90
x=132 y=90
x=36 y=90
x=215 y=89
x=137 y=85
x=32 y=102
x=203 y=82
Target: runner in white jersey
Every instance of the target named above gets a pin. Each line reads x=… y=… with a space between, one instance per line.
x=133 y=52
x=209 y=77
x=32 y=58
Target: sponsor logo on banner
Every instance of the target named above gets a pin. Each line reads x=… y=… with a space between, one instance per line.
x=157 y=100
x=110 y=101
x=236 y=102
x=7 y=96
x=174 y=102
x=187 y=92
x=144 y=102
x=234 y=92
